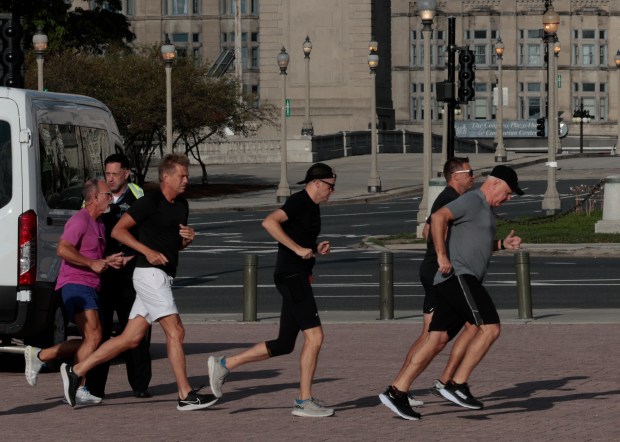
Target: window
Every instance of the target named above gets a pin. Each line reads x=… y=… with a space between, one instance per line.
x=589 y=48
x=255 y=59
x=530 y=47
x=227 y=7
x=180 y=38
x=196 y=7
x=594 y=97
x=6 y=164
x=481 y=102
x=179 y=7
x=531 y=100
x=438 y=45
x=70 y=155
x=417 y=102
x=483 y=40
x=130 y=8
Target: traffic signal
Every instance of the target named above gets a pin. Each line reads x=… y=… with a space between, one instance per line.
x=541 y=131
x=11 y=54
x=467 y=76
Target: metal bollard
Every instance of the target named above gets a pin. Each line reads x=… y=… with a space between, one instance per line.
x=524 y=288
x=386 y=286
x=250 y=270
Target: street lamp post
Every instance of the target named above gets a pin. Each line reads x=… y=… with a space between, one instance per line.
x=283 y=190
x=581 y=116
x=39 y=41
x=168 y=54
x=617 y=60
x=500 y=150
x=426 y=10
x=374 y=182
x=306 y=128
x=551 y=201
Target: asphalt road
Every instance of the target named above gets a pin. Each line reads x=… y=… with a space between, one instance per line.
x=210 y=278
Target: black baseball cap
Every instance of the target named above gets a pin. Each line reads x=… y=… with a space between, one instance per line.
x=508 y=175
x=318 y=171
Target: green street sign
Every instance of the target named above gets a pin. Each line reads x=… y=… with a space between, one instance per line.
x=287 y=107
x=559 y=81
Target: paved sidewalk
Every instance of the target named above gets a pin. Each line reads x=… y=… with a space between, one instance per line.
x=539 y=382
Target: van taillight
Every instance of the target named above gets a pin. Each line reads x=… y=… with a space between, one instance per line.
x=27 y=264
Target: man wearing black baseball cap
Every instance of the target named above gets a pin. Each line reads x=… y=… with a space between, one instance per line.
x=463 y=260
x=296 y=226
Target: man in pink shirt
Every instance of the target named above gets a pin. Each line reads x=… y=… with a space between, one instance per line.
x=81 y=248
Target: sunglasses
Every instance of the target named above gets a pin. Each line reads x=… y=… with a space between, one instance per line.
x=332 y=187
x=468 y=171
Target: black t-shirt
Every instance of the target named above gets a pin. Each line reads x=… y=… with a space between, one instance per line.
x=446 y=196
x=158 y=226
x=110 y=219
x=302 y=226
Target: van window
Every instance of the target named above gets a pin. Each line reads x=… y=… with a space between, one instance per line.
x=69 y=156
x=6 y=166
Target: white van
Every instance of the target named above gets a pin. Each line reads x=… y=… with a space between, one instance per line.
x=49 y=145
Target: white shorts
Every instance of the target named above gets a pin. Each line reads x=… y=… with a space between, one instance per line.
x=154 y=298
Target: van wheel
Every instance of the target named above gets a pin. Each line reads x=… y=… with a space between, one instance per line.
x=54 y=333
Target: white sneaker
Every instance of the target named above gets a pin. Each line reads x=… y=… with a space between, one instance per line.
x=414 y=402
x=33 y=364
x=84 y=397
x=437 y=387
x=311 y=408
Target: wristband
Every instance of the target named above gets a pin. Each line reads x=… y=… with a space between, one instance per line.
x=501 y=244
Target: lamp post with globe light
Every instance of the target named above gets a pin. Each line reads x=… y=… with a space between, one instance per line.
x=168 y=54
x=283 y=190
x=374 y=182
x=426 y=11
x=551 y=201
x=306 y=128
x=39 y=42
x=500 y=150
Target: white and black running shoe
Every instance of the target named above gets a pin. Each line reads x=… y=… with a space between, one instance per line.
x=399 y=404
x=460 y=395
x=70 y=383
x=196 y=401
x=437 y=387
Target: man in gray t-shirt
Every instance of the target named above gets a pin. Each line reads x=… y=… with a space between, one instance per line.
x=460 y=294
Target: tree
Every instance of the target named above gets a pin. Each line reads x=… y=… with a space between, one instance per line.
x=132 y=85
x=91 y=30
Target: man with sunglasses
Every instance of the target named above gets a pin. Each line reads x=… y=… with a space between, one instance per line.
x=463 y=260
x=296 y=227
x=81 y=247
x=459 y=178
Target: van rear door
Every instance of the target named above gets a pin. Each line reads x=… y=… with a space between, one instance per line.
x=11 y=207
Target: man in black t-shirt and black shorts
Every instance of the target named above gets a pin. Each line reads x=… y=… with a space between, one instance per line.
x=161 y=217
x=296 y=227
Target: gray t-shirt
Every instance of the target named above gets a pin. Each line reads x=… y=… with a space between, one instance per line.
x=470 y=241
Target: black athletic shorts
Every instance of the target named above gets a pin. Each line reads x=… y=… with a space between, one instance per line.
x=298 y=299
x=428 y=270
x=462 y=298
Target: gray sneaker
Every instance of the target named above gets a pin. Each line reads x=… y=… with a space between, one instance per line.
x=33 y=364
x=217 y=375
x=413 y=401
x=84 y=397
x=437 y=387
x=311 y=408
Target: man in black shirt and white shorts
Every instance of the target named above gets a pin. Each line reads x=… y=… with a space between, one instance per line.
x=296 y=227
x=161 y=217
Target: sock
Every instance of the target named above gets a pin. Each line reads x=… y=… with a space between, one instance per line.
x=223 y=362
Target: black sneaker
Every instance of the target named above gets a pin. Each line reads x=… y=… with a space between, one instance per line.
x=399 y=404
x=460 y=395
x=70 y=383
x=196 y=401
